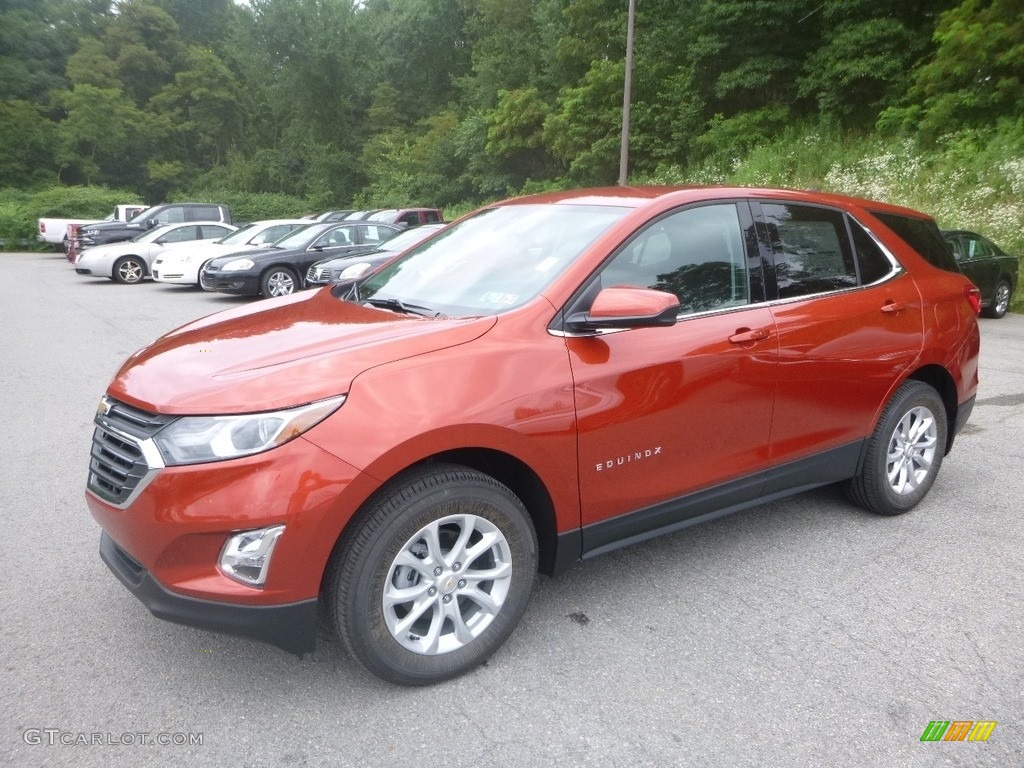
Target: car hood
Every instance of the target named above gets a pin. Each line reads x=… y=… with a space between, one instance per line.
x=278 y=353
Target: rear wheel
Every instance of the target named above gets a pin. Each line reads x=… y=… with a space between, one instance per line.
x=1000 y=300
x=435 y=575
x=66 y=244
x=905 y=452
x=129 y=269
x=278 y=281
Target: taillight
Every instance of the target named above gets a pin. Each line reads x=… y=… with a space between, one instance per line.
x=42 y=228
x=973 y=296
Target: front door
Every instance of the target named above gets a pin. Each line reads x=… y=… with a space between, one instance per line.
x=666 y=412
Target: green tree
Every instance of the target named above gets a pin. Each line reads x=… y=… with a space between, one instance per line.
x=26 y=136
x=103 y=139
x=585 y=128
x=977 y=74
x=867 y=56
x=34 y=40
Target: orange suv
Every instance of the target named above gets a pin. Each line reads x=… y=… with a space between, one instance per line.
x=548 y=379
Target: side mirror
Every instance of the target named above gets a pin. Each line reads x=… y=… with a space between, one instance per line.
x=346 y=290
x=625 y=307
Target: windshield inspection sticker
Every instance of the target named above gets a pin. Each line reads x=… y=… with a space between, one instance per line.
x=493 y=297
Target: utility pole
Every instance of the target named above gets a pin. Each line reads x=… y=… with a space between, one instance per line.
x=627 y=92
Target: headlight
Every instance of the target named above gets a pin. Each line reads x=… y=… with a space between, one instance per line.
x=237 y=265
x=354 y=271
x=198 y=439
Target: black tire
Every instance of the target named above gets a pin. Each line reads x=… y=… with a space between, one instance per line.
x=129 y=270
x=278 y=281
x=454 y=500
x=1000 y=301
x=915 y=410
x=66 y=245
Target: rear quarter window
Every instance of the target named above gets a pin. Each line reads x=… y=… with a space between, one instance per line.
x=923 y=236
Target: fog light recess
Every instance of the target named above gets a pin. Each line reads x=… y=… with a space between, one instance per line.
x=246 y=556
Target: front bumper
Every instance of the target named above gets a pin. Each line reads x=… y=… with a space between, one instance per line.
x=291 y=627
x=164 y=539
x=240 y=283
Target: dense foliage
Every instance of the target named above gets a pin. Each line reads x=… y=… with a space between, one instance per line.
x=452 y=102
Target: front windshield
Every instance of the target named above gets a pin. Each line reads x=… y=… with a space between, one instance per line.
x=406 y=239
x=496 y=260
x=298 y=238
x=240 y=235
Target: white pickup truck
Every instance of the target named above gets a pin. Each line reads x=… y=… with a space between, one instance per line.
x=57 y=231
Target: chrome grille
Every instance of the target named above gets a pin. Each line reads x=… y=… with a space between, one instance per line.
x=118 y=460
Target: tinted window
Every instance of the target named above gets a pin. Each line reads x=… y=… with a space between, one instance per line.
x=923 y=236
x=205 y=213
x=811 y=250
x=696 y=254
x=872 y=262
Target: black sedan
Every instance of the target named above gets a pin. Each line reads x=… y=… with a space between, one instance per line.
x=278 y=271
x=348 y=265
x=987 y=266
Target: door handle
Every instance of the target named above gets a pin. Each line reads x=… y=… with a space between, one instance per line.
x=894 y=307
x=746 y=335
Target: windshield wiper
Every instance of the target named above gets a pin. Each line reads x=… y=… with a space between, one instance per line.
x=397 y=305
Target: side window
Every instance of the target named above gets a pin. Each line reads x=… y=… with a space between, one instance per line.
x=211 y=231
x=204 y=213
x=373 y=234
x=811 y=250
x=174 y=214
x=977 y=248
x=337 y=237
x=179 y=235
x=697 y=254
x=955 y=245
x=409 y=219
x=871 y=261
x=923 y=236
x=431 y=217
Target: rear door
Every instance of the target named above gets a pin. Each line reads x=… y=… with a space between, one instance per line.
x=849 y=324
x=667 y=412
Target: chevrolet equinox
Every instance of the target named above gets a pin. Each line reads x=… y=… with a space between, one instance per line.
x=547 y=379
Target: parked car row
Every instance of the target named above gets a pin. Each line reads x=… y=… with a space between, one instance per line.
x=267 y=258
x=277 y=257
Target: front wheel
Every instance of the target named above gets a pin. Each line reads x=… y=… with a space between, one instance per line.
x=278 y=281
x=1000 y=300
x=129 y=269
x=435 y=575
x=905 y=452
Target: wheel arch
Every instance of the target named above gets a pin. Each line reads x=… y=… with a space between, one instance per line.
x=516 y=475
x=939 y=379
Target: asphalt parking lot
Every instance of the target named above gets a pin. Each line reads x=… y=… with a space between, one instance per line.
x=800 y=633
